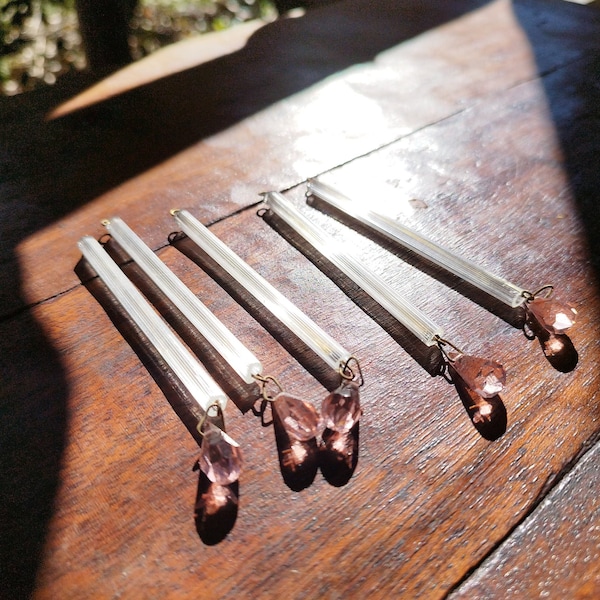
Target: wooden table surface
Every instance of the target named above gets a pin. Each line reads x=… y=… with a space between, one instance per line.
x=477 y=123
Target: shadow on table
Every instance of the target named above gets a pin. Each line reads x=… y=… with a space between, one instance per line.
x=216 y=505
x=301 y=352
x=336 y=454
x=557 y=349
x=215 y=509
x=572 y=93
x=33 y=424
x=299 y=460
x=567 y=52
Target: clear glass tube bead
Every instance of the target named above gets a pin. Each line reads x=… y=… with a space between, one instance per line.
x=495 y=286
x=241 y=360
x=282 y=308
x=344 y=259
x=192 y=374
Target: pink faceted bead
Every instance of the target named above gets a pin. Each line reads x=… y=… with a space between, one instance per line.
x=300 y=419
x=341 y=409
x=485 y=377
x=220 y=456
x=552 y=315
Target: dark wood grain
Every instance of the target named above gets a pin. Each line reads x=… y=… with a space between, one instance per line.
x=478 y=123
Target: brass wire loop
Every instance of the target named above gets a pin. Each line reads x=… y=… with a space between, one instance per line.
x=264 y=381
x=347 y=373
x=205 y=416
x=441 y=342
x=531 y=296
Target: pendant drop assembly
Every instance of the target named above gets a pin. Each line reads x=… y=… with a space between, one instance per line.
x=549 y=313
x=483 y=377
x=324 y=346
x=192 y=374
x=220 y=456
x=296 y=424
x=341 y=408
x=481 y=380
x=219 y=453
x=241 y=360
x=301 y=421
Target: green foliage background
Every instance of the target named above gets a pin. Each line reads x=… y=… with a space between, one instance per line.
x=40 y=40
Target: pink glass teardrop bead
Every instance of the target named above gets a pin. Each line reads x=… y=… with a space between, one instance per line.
x=341 y=409
x=220 y=456
x=300 y=419
x=485 y=377
x=553 y=315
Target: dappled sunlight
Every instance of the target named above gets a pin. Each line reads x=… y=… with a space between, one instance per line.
x=337 y=114
x=448 y=116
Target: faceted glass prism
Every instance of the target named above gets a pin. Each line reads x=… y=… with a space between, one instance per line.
x=553 y=315
x=220 y=456
x=341 y=409
x=300 y=419
x=485 y=377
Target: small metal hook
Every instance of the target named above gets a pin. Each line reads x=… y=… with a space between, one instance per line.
x=441 y=342
x=205 y=416
x=264 y=380
x=529 y=296
x=175 y=236
x=348 y=374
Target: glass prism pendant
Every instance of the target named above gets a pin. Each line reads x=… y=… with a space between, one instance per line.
x=484 y=376
x=552 y=314
x=341 y=408
x=220 y=456
x=300 y=419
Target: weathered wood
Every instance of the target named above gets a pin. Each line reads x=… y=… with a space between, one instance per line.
x=482 y=153
x=546 y=556
x=429 y=498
